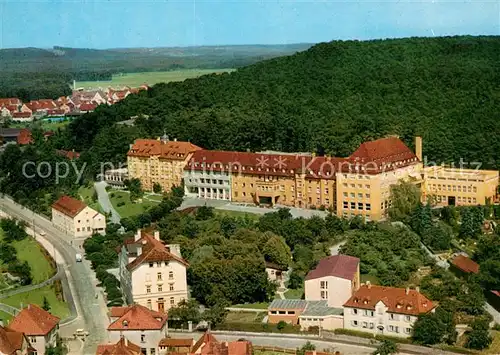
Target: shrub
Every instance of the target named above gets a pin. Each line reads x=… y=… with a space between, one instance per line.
x=259 y=327
x=121 y=203
x=281 y=325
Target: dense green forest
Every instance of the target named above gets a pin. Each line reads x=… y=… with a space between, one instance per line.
x=33 y=73
x=329 y=99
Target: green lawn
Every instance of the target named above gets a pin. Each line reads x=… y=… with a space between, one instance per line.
x=149 y=78
x=294 y=294
x=48 y=126
x=29 y=250
x=86 y=194
x=253 y=216
x=259 y=305
x=129 y=209
x=57 y=307
x=366 y=277
x=245 y=317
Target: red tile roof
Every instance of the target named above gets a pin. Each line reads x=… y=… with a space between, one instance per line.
x=56 y=112
x=69 y=206
x=10 y=341
x=21 y=114
x=152 y=251
x=11 y=101
x=165 y=342
x=24 y=137
x=33 y=320
x=465 y=264
x=385 y=150
x=173 y=150
x=209 y=345
x=136 y=317
x=123 y=347
x=87 y=107
x=397 y=300
x=206 y=339
x=68 y=154
x=343 y=266
x=42 y=104
x=241 y=347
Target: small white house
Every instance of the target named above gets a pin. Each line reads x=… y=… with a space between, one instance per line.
x=76 y=218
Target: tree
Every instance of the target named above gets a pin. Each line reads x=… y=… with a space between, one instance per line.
x=433 y=328
x=204 y=212
x=281 y=325
x=135 y=188
x=185 y=311
x=308 y=346
x=216 y=314
x=46 y=304
x=276 y=250
x=479 y=338
x=295 y=280
x=386 y=347
x=405 y=198
x=157 y=188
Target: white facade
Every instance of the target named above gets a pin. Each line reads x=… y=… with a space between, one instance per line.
x=40 y=342
x=379 y=321
x=148 y=340
x=83 y=225
x=329 y=322
x=333 y=289
x=207 y=184
x=158 y=284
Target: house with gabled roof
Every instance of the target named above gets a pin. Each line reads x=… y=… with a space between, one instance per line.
x=77 y=219
x=385 y=310
x=152 y=273
x=122 y=347
x=13 y=342
x=39 y=326
x=334 y=280
x=138 y=325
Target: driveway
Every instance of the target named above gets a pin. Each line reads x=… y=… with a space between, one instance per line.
x=103 y=198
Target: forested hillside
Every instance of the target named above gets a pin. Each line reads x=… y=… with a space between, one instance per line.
x=329 y=99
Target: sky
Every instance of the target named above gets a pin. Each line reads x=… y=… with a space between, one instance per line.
x=166 y=23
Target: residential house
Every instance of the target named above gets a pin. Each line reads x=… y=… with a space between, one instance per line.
x=40 y=107
x=286 y=310
x=385 y=310
x=98 y=97
x=461 y=265
x=275 y=272
x=87 y=107
x=39 y=326
x=15 y=135
x=69 y=154
x=152 y=274
x=22 y=117
x=122 y=347
x=14 y=343
x=159 y=162
x=116 y=177
x=334 y=280
x=139 y=325
x=10 y=101
x=57 y=112
x=209 y=345
x=174 y=345
x=76 y=218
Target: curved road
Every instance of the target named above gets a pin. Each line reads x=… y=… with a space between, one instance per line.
x=92 y=315
x=105 y=202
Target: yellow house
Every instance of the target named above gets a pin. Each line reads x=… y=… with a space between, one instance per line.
x=159 y=162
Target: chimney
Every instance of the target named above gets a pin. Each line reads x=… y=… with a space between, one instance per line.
x=126 y=341
x=175 y=249
x=407 y=291
x=418 y=147
x=138 y=235
x=175 y=139
x=139 y=250
x=417 y=289
x=29 y=305
x=368 y=284
x=1 y=322
x=157 y=235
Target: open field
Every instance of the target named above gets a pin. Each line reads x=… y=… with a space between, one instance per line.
x=29 y=250
x=149 y=78
x=46 y=125
x=86 y=193
x=260 y=305
x=229 y=213
x=57 y=307
x=129 y=209
x=245 y=317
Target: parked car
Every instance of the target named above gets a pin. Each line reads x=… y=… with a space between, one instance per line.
x=78 y=258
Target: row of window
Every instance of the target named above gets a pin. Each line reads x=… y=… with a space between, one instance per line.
x=160 y=300
x=353 y=195
x=460 y=199
x=160 y=288
x=353 y=214
x=159 y=275
x=357 y=176
x=458 y=188
x=361 y=206
x=209 y=181
x=370 y=325
x=370 y=313
x=83 y=229
x=359 y=186
x=283 y=312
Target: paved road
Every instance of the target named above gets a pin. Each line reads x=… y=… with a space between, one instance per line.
x=334 y=250
x=103 y=198
x=81 y=280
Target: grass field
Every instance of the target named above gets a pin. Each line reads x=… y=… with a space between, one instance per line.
x=86 y=194
x=57 y=307
x=245 y=317
x=253 y=216
x=130 y=209
x=260 y=305
x=495 y=345
x=294 y=294
x=47 y=126
x=29 y=250
x=149 y=78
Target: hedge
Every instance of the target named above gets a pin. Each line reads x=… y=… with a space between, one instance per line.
x=258 y=327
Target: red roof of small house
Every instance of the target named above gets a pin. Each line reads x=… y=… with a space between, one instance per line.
x=206 y=339
x=123 y=347
x=136 y=317
x=69 y=206
x=24 y=137
x=55 y=112
x=87 y=107
x=42 y=104
x=166 y=342
x=33 y=321
x=465 y=264
x=342 y=266
x=11 y=341
x=11 y=108
x=174 y=150
x=152 y=251
x=240 y=347
x=11 y=101
x=397 y=300
x=496 y=293
x=68 y=154
x=21 y=114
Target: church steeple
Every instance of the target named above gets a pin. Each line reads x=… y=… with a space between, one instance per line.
x=164 y=138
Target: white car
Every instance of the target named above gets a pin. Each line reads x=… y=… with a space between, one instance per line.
x=42 y=233
x=78 y=258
